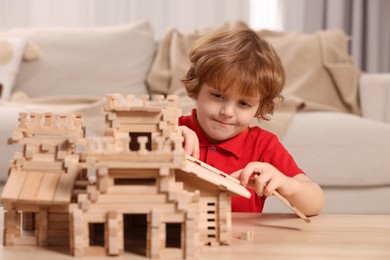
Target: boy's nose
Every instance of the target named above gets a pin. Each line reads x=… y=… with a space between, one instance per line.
x=227 y=110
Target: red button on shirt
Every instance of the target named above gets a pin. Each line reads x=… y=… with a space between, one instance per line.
x=253 y=144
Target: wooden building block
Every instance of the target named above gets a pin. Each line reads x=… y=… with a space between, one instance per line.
x=77 y=233
x=93 y=193
x=14 y=185
x=142 y=140
x=145 y=99
x=48 y=120
x=31 y=186
x=29 y=151
x=10 y=227
x=64 y=188
x=42 y=230
x=248 y=235
x=115 y=237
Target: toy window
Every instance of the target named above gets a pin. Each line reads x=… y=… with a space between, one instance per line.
x=96 y=234
x=173 y=235
x=134 y=181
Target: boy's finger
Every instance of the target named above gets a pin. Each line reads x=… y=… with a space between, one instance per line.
x=196 y=152
x=236 y=174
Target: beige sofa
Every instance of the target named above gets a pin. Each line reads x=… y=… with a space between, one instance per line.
x=346 y=152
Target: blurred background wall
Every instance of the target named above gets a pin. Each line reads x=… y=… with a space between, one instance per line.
x=366 y=22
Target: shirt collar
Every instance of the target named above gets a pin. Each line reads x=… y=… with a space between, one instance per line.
x=234 y=145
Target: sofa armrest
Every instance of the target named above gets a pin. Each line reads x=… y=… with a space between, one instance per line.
x=375 y=96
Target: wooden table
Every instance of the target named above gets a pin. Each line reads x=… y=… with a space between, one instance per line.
x=276 y=236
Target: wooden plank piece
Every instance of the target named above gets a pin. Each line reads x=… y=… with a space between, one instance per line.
x=64 y=188
x=287 y=203
x=31 y=186
x=14 y=185
x=48 y=187
x=206 y=174
x=212 y=169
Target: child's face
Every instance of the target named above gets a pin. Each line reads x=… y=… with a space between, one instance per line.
x=224 y=115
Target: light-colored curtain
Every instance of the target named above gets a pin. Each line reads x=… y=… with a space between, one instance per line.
x=367 y=23
x=184 y=15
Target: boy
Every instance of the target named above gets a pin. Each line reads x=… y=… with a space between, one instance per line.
x=235 y=76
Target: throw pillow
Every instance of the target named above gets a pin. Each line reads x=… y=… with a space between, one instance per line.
x=320 y=74
x=11 y=52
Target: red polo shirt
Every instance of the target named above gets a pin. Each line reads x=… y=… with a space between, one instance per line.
x=253 y=144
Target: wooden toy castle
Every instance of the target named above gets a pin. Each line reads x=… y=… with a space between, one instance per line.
x=133 y=189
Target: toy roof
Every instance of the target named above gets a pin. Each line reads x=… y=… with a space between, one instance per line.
x=39 y=187
x=56 y=188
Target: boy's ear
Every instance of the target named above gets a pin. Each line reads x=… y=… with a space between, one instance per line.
x=31 y=52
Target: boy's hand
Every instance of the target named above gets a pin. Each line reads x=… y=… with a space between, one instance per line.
x=265 y=179
x=191 y=141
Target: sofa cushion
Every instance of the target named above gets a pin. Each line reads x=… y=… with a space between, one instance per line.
x=337 y=149
x=87 y=61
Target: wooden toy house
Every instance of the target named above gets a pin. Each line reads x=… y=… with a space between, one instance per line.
x=133 y=189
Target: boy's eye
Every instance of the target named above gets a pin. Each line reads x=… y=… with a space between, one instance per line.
x=217 y=95
x=244 y=104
